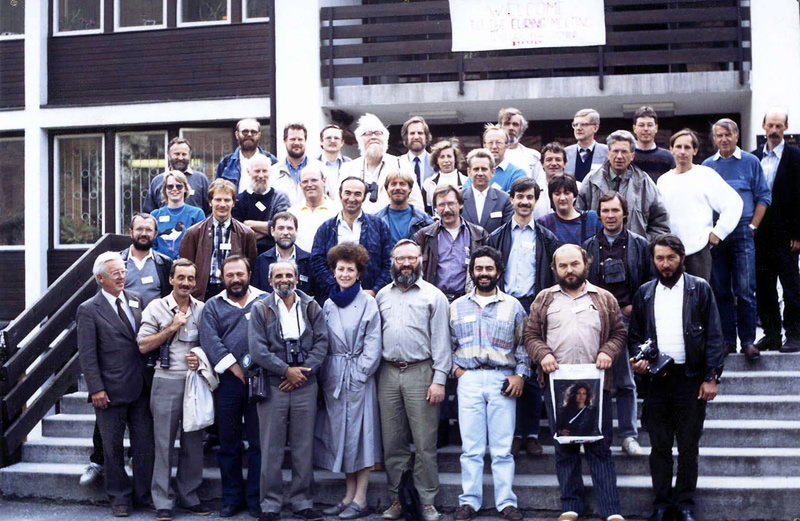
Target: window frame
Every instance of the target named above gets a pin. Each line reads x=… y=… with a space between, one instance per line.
x=120 y=29
x=181 y=23
x=118 y=225
x=16 y=247
x=248 y=20
x=58 y=32
x=56 y=189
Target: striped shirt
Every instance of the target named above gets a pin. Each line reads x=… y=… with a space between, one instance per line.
x=489 y=335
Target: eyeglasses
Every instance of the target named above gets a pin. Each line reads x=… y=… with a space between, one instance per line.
x=494 y=143
x=370 y=133
x=404 y=260
x=582 y=125
x=175 y=187
x=248 y=132
x=118 y=273
x=442 y=205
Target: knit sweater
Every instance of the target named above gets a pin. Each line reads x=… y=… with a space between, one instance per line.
x=746 y=176
x=223 y=328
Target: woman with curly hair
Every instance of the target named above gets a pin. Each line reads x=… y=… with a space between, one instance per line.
x=579 y=415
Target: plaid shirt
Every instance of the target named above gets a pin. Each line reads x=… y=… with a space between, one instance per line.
x=219 y=255
x=489 y=335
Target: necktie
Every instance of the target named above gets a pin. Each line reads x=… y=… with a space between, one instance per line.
x=616 y=182
x=124 y=318
x=584 y=152
x=417 y=171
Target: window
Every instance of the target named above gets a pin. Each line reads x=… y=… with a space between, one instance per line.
x=139 y=14
x=78 y=16
x=12 y=196
x=203 y=12
x=210 y=145
x=79 y=189
x=12 y=19
x=256 y=10
x=140 y=157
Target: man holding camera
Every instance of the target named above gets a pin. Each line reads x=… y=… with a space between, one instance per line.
x=170 y=325
x=288 y=338
x=675 y=402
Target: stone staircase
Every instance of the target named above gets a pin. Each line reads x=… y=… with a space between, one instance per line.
x=749 y=456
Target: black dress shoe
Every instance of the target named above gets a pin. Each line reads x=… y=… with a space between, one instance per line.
x=228 y=511
x=269 y=516
x=661 y=514
x=791 y=346
x=255 y=511
x=309 y=514
x=769 y=343
x=686 y=515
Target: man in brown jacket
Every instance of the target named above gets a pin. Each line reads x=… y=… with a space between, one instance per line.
x=576 y=322
x=209 y=242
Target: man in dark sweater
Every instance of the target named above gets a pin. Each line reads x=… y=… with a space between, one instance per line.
x=256 y=206
x=223 y=337
x=650 y=157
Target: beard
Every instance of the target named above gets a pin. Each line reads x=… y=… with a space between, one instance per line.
x=375 y=152
x=259 y=187
x=406 y=279
x=142 y=246
x=285 y=242
x=296 y=154
x=248 y=144
x=670 y=280
x=573 y=284
x=236 y=290
x=486 y=283
x=284 y=289
x=179 y=164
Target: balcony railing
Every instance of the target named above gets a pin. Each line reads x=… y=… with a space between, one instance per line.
x=409 y=42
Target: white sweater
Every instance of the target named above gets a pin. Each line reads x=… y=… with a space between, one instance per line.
x=692 y=198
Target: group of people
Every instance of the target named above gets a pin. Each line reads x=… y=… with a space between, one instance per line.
x=337 y=306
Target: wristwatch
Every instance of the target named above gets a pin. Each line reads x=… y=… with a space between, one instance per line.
x=713 y=376
x=752 y=227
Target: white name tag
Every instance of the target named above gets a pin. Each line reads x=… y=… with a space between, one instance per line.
x=496 y=215
x=147 y=280
x=163 y=218
x=133 y=303
x=247 y=316
x=470 y=319
x=497 y=186
x=260 y=206
x=190 y=336
x=225 y=246
x=303 y=278
x=191 y=192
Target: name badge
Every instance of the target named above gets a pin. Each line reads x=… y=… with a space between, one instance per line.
x=247 y=316
x=470 y=319
x=303 y=278
x=191 y=192
x=146 y=280
x=163 y=218
x=497 y=186
x=225 y=246
x=496 y=215
x=133 y=303
x=260 y=206
x=190 y=335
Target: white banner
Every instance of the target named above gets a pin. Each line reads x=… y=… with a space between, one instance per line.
x=486 y=25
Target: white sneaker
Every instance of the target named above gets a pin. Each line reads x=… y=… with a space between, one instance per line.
x=91 y=475
x=632 y=447
x=617 y=517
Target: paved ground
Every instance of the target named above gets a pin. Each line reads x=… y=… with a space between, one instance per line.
x=36 y=510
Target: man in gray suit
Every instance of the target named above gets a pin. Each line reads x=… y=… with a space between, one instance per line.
x=114 y=372
x=485 y=206
x=587 y=155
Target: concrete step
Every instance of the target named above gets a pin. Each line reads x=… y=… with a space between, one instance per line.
x=761 y=382
x=769 y=361
x=717 y=497
x=713 y=461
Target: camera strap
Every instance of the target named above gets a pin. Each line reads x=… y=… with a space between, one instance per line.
x=297 y=317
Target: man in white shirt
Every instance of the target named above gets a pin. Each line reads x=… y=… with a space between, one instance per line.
x=331 y=141
x=515 y=125
x=692 y=193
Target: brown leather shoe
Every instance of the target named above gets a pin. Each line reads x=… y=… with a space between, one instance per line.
x=464 y=512
x=516 y=445
x=791 y=346
x=751 y=352
x=533 y=447
x=511 y=513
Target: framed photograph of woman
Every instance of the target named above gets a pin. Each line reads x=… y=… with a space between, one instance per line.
x=576 y=390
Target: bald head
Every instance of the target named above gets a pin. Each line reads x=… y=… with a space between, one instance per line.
x=775 y=123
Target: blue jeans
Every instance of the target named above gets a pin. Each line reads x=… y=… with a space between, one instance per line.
x=625 y=391
x=480 y=405
x=733 y=273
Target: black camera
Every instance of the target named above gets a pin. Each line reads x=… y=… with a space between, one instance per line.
x=163 y=355
x=658 y=361
x=372 y=190
x=294 y=355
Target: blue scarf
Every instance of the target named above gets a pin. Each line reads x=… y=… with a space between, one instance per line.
x=343 y=298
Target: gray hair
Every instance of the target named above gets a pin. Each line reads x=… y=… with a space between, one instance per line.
x=728 y=124
x=99 y=267
x=285 y=263
x=593 y=115
x=621 y=135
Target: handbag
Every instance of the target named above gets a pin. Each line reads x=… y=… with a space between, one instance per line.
x=198 y=403
x=257 y=386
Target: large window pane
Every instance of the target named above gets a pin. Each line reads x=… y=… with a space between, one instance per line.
x=12 y=196
x=140 y=13
x=209 y=146
x=256 y=9
x=203 y=10
x=79 y=15
x=142 y=156
x=12 y=17
x=79 y=175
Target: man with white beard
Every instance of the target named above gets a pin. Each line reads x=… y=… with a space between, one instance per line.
x=256 y=206
x=375 y=164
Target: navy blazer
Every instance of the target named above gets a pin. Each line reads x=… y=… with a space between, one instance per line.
x=108 y=351
x=782 y=220
x=496 y=211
